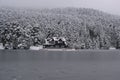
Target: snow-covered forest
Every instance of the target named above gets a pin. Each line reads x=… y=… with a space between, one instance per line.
x=83 y=28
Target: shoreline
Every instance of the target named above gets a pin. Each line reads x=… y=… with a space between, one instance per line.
x=61 y=50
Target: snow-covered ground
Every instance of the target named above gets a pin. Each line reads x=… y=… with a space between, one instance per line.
x=112 y=48
x=60 y=49
x=36 y=47
x=1 y=46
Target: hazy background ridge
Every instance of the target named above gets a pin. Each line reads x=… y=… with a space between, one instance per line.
x=109 y=6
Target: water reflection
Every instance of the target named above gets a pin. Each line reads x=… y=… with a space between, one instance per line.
x=17 y=55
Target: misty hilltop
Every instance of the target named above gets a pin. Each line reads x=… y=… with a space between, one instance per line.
x=82 y=27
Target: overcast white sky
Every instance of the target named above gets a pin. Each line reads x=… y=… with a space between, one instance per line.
x=110 y=6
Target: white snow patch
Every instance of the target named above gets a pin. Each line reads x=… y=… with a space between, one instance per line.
x=112 y=48
x=1 y=46
x=36 y=47
x=60 y=49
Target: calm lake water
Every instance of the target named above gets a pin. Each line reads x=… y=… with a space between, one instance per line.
x=59 y=65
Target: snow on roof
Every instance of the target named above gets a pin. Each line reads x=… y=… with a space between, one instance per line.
x=55 y=38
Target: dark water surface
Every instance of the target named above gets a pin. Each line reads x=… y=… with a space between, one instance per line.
x=60 y=65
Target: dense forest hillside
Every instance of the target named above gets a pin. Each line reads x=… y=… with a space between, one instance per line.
x=82 y=27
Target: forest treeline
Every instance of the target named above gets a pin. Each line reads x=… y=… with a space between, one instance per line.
x=82 y=27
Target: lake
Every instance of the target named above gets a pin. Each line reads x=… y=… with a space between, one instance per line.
x=59 y=65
